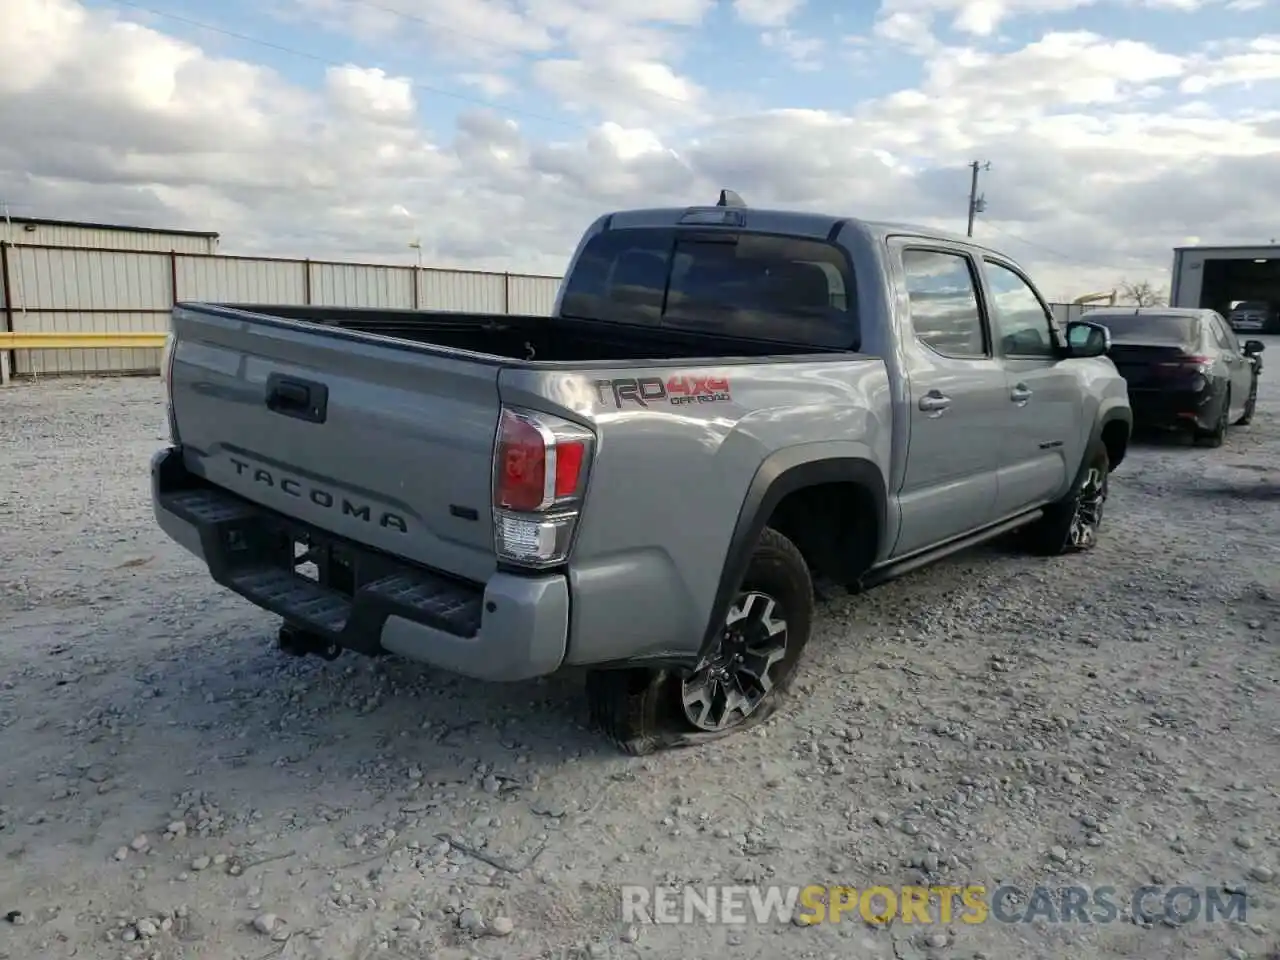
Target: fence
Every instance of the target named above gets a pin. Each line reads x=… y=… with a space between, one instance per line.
x=47 y=290
x=71 y=292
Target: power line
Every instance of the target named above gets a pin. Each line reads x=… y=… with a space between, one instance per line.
x=1049 y=250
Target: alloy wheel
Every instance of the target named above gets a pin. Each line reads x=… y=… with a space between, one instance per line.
x=1088 y=511
x=741 y=672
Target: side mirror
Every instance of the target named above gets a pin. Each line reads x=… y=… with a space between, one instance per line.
x=1253 y=347
x=1086 y=339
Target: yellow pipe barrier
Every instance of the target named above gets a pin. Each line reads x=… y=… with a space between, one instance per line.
x=79 y=341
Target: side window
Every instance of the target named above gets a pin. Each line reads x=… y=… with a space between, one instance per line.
x=763 y=287
x=620 y=276
x=1018 y=318
x=944 y=303
x=1225 y=336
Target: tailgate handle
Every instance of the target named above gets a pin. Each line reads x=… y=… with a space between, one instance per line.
x=300 y=399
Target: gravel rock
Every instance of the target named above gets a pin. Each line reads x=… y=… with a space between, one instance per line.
x=266 y=923
x=502 y=926
x=992 y=716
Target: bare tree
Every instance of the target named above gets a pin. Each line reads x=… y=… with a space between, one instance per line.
x=1143 y=294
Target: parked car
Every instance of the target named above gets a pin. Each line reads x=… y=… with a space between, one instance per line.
x=725 y=404
x=1250 y=316
x=1185 y=368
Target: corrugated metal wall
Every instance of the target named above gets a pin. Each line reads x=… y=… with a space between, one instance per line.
x=67 y=289
x=75 y=235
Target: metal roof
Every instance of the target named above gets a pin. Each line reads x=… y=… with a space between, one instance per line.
x=1123 y=311
x=805 y=222
x=123 y=228
x=1238 y=246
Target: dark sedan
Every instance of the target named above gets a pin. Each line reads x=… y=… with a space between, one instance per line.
x=1185 y=369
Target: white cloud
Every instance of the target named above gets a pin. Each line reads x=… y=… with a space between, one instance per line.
x=632 y=91
x=982 y=18
x=803 y=53
x=909 y=29
x=1099 y=161
x=1241 y=63
x=767 y=13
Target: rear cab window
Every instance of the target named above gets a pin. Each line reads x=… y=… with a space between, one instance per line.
x=1147 y=328
x=756 y=286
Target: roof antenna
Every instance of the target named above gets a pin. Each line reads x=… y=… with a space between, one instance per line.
x=730 y=199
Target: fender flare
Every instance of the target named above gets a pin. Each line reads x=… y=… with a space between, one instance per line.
x=782 y=473
x=1112 y=414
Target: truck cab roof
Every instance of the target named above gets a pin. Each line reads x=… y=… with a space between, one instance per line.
x=797 y=223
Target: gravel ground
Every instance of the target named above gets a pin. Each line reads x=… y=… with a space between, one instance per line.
x=173 y=787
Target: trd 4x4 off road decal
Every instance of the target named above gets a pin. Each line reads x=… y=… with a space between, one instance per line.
x=675 y=390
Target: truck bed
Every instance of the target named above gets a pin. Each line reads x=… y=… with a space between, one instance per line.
x=378 y=426
x=519 y=337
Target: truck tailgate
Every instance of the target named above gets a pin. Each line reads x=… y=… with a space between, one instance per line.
x=376 y=440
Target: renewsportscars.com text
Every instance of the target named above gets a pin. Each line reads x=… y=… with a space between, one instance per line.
x=970 y=904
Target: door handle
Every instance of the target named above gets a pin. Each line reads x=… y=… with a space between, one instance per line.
x=934 y=402
x=300 y=399
x=1020 y=394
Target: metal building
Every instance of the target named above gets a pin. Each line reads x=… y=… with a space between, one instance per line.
x=1213 y=278
x=37 y=231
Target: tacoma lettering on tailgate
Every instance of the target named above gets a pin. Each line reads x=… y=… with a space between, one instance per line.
x=319 y=496
x=675 y=390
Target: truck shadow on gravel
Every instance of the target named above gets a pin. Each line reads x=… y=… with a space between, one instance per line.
x=355 y=715
x=1149 y=439
x=1263 y=491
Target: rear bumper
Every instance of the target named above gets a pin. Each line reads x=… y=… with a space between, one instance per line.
x=1174 y=408
x=1243 y=325
x=510 y=628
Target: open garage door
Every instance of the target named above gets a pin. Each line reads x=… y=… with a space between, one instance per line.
x=1220 y=278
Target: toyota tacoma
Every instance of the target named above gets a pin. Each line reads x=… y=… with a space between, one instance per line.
x=726 y=406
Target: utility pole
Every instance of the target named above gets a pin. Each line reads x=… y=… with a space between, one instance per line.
x=977 y=203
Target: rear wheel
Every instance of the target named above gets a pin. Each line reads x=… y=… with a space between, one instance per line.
x=1071 y=525
x=742 y=681
x=1218 y=435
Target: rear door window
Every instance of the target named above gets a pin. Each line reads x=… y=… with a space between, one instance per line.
x=943 y=296
x=1223 y=334
x=763 y=287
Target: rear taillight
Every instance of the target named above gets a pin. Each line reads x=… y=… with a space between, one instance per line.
x=540 y=467
x=166 y=376
x=1192 y=363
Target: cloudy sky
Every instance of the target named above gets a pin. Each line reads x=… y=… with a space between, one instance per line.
x=497 y=129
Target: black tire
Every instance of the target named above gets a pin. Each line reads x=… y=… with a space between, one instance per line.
x=1218 y=435
x=297 y=642
x=1071 y=525
x=1250 y=405
x=643 y=710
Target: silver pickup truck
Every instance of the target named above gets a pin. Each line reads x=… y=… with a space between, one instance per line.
x=726 y=406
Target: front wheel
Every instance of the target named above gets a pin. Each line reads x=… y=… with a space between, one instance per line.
x=1250 y=405
x=1071 y=525
x=1218 y=435
x=742 y=681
